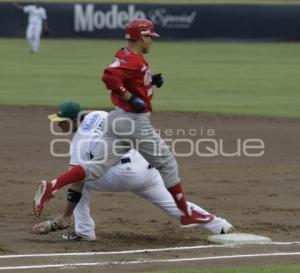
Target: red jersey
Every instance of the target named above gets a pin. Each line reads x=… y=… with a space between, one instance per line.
x=129 y=71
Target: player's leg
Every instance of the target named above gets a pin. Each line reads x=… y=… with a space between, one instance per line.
x=156 y=193
x=36 y=38
x=29 y=35
x=121 y=177
x=84 y=223
x=158 y=154
x=74 y=195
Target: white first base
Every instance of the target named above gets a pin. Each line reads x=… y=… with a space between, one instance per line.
x=239 y=238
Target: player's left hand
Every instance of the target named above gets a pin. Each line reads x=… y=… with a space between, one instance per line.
x=157 y=80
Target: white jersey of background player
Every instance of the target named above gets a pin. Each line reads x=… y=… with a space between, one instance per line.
x=37 y=18
x=132 y=174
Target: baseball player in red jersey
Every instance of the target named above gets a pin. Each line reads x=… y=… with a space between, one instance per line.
x=130 y=81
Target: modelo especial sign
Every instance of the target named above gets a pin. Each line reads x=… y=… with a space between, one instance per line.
x=173 y=22
x=90 y=18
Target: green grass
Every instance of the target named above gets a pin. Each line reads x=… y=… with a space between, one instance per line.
x=247 y=78
x=247 y=269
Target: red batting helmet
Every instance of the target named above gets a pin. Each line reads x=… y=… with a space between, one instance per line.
x=138 y=27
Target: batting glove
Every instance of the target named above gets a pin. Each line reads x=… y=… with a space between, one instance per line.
x=157 y=80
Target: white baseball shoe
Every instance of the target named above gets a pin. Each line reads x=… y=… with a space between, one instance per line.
x=73 y=236
x=226 y=227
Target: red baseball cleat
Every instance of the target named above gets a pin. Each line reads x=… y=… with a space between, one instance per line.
x=195 y=219
x=43 y=194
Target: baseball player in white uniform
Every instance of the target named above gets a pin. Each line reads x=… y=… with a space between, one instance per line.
x=131 y=174
x=37 y=19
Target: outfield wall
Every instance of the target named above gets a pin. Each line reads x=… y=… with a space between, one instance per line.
x=174 y=22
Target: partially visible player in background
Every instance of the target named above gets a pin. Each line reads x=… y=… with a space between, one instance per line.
x=37 y=21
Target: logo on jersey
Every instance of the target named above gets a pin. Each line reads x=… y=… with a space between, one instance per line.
x=90 y=123
x=101 y=125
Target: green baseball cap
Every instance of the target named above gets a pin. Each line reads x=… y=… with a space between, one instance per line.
x=66 y=110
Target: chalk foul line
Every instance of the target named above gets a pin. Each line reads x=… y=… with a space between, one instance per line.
x=150 y=250
x=150 y=261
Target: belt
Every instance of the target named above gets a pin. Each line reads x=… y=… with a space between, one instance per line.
x=125 y=160
x=128 y=160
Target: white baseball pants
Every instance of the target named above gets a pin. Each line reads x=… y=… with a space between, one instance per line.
x=33 y=36
x=134 y=177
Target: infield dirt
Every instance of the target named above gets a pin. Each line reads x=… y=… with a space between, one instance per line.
x=258 y=195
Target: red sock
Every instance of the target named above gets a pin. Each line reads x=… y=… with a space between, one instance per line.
x=178 y=196
x=74 y=174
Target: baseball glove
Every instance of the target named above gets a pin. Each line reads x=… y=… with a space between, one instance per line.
x=50 y=226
